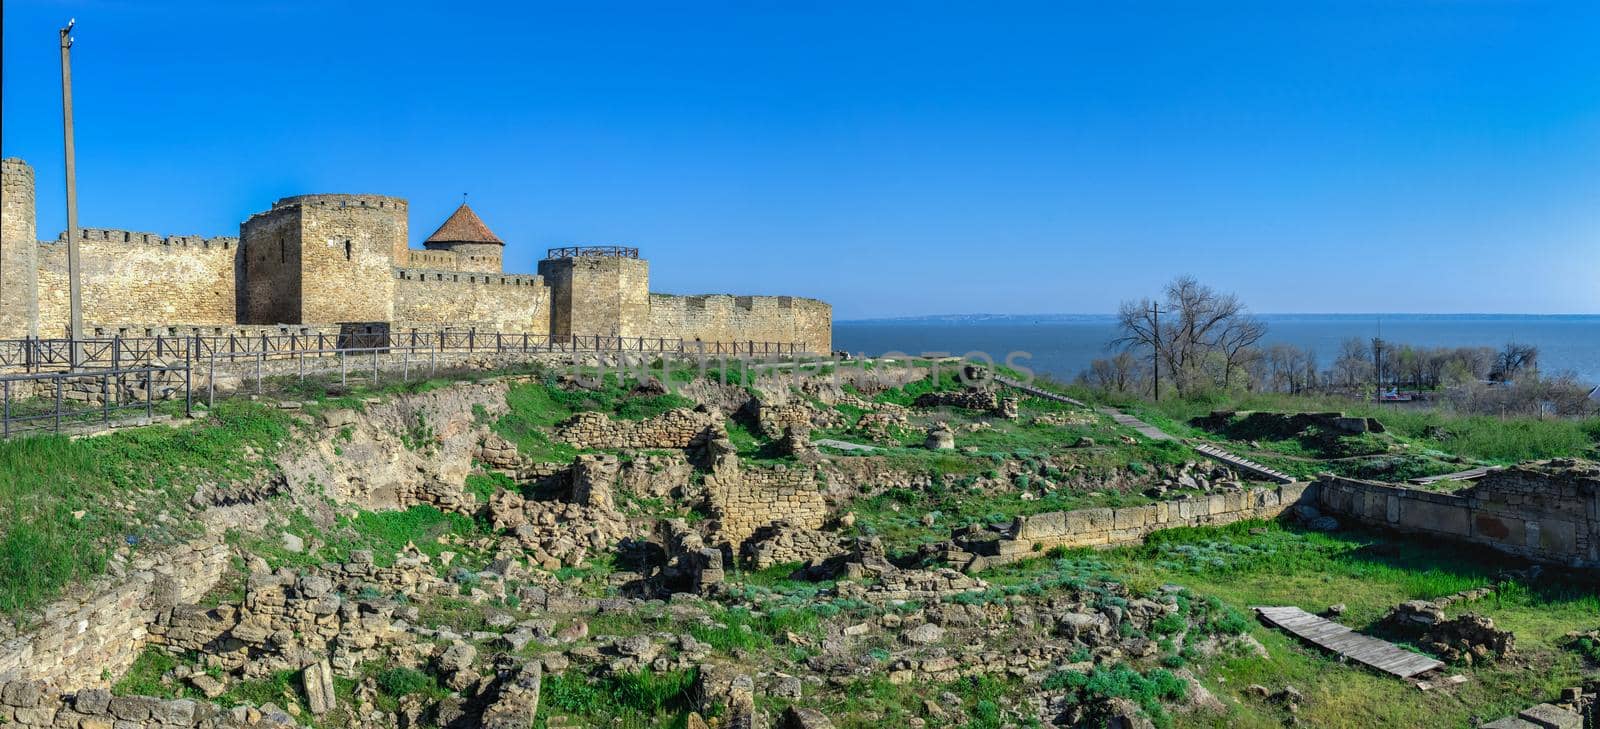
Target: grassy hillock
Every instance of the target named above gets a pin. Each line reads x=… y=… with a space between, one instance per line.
x=66 y=505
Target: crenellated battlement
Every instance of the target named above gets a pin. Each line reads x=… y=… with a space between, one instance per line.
x=731 y=301
x=428 y=275
x=342 y=200
x=113 y=235
x=347 y=258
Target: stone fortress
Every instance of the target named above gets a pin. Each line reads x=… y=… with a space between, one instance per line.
x=319 y=263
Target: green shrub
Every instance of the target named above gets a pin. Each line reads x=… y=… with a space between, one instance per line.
x=398 y=682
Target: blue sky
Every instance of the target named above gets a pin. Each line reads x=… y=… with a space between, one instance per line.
x=892 y=158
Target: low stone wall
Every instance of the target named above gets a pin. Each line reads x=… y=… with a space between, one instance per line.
x=1030 y=535
x=1546 y=511
x=782 y=543
x=743 y=499
x=681 y=428
x=30 y=705
x=101 y=632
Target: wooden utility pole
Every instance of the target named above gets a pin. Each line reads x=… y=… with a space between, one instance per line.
x=1155 y=346
x=75 y=323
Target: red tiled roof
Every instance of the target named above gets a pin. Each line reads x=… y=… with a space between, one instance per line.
x=463 y=226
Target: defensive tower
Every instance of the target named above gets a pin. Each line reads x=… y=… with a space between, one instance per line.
x=19 y=252
x=322 y=258
x=601 y=290
x=464 y=234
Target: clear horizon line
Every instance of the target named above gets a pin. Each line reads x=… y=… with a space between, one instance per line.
x=1271 y=313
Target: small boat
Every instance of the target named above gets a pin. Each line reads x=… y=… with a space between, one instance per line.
x=1394 y=395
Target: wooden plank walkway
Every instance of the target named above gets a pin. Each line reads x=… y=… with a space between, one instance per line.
x=1038 y=392
x=844 y=445
x=1379 y=654
x=1467 y=475
x=1244 y=464
x=1145 y=429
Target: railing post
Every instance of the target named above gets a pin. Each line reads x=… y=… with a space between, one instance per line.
x=149 y=402
x=259 y=356
x=116 y=351
x=58 y=401
x=405 y=365
x=6 y=420
x=341 y=354
x=105 y=398
x=374 y=367
x=472 y=336
x=211 y=381
x=188 y=391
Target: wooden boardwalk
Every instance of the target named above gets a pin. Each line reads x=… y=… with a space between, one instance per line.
x=1379 y=654
x=1038 y=392
x=1244 y=464
x=1142 y=428
x=1467 y=475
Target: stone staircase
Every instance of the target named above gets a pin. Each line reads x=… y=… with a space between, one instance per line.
x=1243 y=464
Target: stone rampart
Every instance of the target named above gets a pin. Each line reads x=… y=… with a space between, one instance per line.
x=128 y=276
x=345 y=258
x=492 y=301
x=1546 y=511
x=450 y=260
x=722 y=318
x=1106 y=527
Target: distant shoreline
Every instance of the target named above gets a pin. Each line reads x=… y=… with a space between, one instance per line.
x=1290 y=316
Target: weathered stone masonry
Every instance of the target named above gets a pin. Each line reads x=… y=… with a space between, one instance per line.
x=1548 y=512
x=330 y=259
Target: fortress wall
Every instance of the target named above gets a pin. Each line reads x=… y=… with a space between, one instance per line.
x=348 y=245
x=598 y=295
x=498 y=302
x=722 y=318
x=139 y=277
x=269 y=268
x=480 y=260
x=19 y=250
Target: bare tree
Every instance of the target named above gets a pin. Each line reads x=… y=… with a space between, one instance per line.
x=1200 y=326
x=1512 y=360
x=1120 y=373
x=1353 y=367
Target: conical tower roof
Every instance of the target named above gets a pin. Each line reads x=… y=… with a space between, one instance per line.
x=463 y=226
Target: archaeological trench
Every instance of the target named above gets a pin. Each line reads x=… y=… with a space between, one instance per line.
x=730 y=543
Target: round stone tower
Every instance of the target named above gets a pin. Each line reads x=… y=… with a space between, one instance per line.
x=464 y=234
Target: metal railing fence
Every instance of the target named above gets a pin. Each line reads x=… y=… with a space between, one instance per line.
x=43 y=355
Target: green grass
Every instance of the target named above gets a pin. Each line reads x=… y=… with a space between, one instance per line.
x=1261 y=563
x=1480 y=437
x=385 y=533
x=143 y=678
x=45 y=479
x=535 y=408
x=642 y=698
